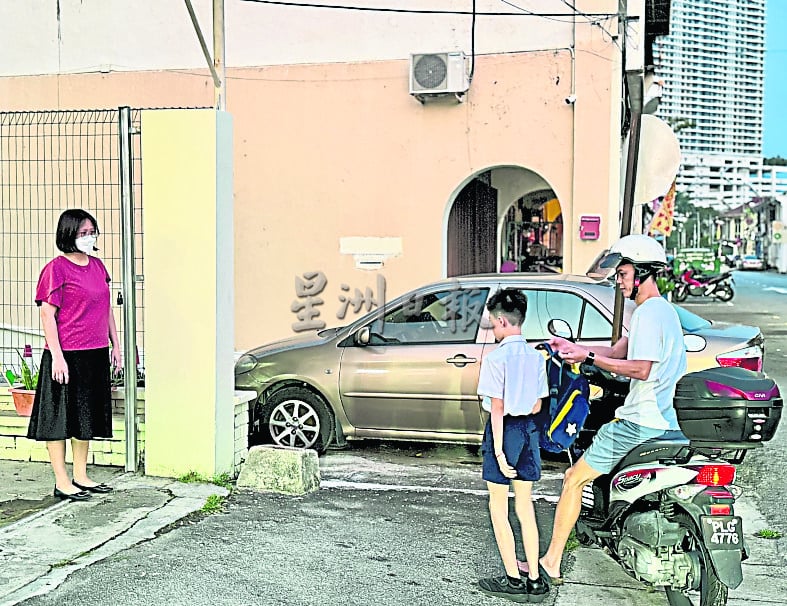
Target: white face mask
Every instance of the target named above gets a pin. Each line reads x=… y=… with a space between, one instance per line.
x=85 y=244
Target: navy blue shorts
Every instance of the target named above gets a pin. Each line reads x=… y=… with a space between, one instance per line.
x=520 y=445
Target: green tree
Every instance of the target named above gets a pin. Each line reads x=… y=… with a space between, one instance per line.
x=691 y=221
x=678 y=124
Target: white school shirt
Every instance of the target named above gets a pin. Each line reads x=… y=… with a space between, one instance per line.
x=516 y=373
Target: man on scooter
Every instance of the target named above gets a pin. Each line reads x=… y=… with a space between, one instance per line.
x=653 y=356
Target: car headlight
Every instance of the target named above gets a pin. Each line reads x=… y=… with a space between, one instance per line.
x=244 y=364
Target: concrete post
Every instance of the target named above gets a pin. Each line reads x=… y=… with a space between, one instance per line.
x=189 y=307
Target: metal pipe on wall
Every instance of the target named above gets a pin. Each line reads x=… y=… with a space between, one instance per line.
x=125 y=131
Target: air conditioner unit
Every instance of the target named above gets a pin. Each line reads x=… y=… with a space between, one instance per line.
x=438 y=74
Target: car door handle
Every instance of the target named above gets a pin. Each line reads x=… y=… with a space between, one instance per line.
x=461 y=360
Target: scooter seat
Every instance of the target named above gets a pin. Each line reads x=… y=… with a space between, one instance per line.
x=718 y=278
x=653 y=450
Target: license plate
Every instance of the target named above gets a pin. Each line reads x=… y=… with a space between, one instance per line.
x=722 y=532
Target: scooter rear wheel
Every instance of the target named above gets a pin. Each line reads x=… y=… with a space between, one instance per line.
x=709 y=590
x=680 y=293
x=725 y=293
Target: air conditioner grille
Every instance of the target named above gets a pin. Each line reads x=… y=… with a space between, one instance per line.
x=430 y=71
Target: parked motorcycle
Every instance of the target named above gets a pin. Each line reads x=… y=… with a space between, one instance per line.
x=690 y=282
x=666 y=512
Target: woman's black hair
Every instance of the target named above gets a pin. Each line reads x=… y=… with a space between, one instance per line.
x=511 y=302
x=68 y=227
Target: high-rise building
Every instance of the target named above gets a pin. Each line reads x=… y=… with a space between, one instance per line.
x=712 y=70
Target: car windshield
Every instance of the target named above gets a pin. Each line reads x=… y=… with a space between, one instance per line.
x=690 y=322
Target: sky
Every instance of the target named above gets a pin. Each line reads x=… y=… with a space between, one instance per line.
x=775 y=118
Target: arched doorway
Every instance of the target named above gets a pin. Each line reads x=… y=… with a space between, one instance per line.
x=532 y=235
x=506 y=218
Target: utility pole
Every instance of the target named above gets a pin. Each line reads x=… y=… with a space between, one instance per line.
x=629 y=186
x=218 y=55
x=217 y=64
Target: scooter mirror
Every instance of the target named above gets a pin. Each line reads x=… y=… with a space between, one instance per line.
x=694 y=343
x=560 y=328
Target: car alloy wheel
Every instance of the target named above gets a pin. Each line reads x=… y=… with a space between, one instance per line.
x=295 y=417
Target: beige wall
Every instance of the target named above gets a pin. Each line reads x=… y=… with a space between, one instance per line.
x=326 y=151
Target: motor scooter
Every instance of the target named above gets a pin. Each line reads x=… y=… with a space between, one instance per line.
x=690 y=282
x=666 y=512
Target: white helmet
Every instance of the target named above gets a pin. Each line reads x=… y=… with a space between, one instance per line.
x=639 y=249
x=643 y=252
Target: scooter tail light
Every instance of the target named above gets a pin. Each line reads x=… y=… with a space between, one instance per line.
x=715 y=475
x=720 y=510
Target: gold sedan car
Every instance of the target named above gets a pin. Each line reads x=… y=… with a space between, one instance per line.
x=409 y=371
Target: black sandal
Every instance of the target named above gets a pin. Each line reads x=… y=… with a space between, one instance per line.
x=100 y=488
x=82 y=495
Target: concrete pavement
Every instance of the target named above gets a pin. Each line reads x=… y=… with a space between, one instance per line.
x=389 y=526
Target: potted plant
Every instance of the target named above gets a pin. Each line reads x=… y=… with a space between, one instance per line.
x=23 y=385
x=117 y=378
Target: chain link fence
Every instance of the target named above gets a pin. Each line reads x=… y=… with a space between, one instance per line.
x=49 y=162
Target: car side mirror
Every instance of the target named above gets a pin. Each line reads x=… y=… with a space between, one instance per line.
x=363 y=336
x=694 y=343
x=560 y=328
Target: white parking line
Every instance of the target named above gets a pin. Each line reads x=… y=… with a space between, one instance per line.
x=343 y=484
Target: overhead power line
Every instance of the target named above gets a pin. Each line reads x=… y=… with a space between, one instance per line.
x=381 y=9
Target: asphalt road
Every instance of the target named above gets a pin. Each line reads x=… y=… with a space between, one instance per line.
x=356 y=545
x=392 y=525
x=760 y=300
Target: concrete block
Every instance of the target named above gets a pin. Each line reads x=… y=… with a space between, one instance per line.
x=41 y=456
x=15 y=454
x=116 y=459
x=280 y=469
x=7 y=442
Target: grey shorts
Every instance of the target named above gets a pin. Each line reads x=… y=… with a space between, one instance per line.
x=619 y=437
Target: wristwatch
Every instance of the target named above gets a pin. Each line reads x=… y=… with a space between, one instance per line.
x=591 y=359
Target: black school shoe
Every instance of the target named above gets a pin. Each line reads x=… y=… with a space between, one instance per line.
x=527 y=591
x=501 y=587
x=537 y=590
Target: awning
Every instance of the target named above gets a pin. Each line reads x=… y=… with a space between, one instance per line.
x=552 y=210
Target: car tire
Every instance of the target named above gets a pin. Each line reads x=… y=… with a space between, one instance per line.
x=295 y=417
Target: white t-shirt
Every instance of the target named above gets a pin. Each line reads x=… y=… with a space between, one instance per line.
x=516 y=373
x=655 y=335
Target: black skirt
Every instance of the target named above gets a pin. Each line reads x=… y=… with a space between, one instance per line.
x=80 y=409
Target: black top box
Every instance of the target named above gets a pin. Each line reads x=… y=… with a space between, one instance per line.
x=728 y=405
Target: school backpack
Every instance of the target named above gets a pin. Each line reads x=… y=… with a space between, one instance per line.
x=563 y=414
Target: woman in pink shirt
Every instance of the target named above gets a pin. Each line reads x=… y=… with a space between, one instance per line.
x=73 y=398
